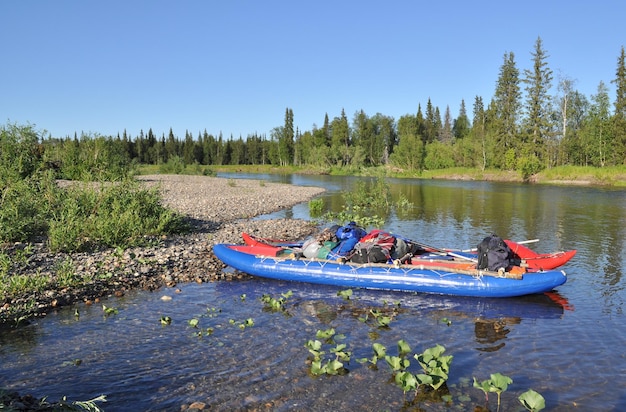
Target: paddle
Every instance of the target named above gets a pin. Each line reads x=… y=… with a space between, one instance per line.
x=436 y=249
x=521 y=242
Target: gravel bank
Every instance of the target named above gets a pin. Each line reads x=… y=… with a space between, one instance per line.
x=219 y=210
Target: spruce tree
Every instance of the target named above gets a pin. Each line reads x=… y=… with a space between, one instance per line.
x=479 y=128
x=506 y=106
x=619 y=119
x=538 y=121
x=445 y=133
x=461 y=125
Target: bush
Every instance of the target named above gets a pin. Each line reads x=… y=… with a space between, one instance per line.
x=19 y=153
x=528 y=166
x=174 y=165
x=115 y=215
x=25 y=207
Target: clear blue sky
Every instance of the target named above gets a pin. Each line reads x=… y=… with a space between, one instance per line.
x=233 y=67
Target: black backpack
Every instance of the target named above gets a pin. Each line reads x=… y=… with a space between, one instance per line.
x=375 y=247
x=493 y=254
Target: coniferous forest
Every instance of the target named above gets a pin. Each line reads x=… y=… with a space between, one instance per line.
x=522 y=127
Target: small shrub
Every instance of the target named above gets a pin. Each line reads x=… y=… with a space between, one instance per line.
x=118 y=215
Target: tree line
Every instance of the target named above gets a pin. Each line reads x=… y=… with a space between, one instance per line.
x=523 y=127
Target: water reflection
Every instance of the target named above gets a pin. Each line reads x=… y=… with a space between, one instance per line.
x=490 y=332
x=23 y=338
x=494 y=318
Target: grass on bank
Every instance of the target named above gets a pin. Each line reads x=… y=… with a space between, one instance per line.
x=83 y=216
x=570 y=175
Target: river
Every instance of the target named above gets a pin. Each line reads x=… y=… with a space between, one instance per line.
x=226 y=349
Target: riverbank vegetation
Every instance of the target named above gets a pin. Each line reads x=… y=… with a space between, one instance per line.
x=535 y=128
x=106 y=209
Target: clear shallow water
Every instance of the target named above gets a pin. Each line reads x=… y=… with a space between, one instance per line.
x=571 y=352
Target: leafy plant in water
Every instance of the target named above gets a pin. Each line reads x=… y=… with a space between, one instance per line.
x=321 y=365
x=109 y=311
x=356 y=214
x=193 y=322
x=382 y=319
x=399 y=363
x=380 y=351
x=213 y=312
x=497 y=383
x=165 y=320
x=435 y=365
x=532 y=401
x=242 y=325
x=345 y=294
x=405 y=379
x=276 y=304
x=316 y=207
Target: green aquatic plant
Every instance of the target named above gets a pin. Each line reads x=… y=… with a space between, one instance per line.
x=382 y=319
x=320 y=364
x=380 y=351
x=400 y=362
x=242 y=325
x=276 y=304
x=193 y=322
x=532 y=401
x=108 y=311
x=497 y=383
x=165 y=320
x=435 y=365
x=404 y=378
x=316 y=207
x=213 y=312
x=403 y=203
x=345 y=294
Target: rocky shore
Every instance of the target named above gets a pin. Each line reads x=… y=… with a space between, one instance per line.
x=218 y=210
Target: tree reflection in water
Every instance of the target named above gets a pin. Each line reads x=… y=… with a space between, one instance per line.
x=491 y=331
